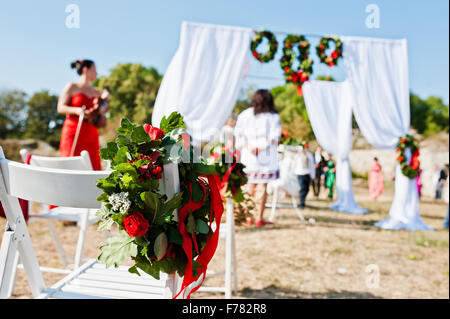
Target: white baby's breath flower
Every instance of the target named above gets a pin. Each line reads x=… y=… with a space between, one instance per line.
x=120 y=202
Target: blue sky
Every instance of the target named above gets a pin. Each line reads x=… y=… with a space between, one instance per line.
x=36 y=47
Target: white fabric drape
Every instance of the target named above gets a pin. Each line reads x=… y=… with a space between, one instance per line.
x=203 y=79
x=330 y=115
x=377 y=72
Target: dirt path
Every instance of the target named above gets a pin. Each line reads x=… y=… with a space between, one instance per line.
x=336 y=257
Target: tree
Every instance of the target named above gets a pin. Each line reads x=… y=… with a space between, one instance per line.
x=429 y=116
x=292 y=110
x=133 y=91
x=12 y=113
x=43 y=121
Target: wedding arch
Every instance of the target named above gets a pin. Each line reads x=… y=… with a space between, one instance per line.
x=204 y=77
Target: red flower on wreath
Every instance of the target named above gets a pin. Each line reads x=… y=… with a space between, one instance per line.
x=255 y=54
x=135 y=224
x=400 y=158
x=334 y=55
x=154 y=132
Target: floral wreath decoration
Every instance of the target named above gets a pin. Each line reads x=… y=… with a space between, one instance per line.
x=411 y=169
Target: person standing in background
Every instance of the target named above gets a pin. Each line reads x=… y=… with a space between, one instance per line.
x=303 y=172
x=439 y=180
x=227 y=133
x=77 y=99
x=257 y=133
x=376 y=182
x=419 y=183
x=319 y=164
x=330 y=178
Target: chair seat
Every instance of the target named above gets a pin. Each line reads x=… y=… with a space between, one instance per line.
x=68 y=214
x=94 y=280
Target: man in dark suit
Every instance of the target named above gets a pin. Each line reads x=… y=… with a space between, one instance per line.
x=319 y=164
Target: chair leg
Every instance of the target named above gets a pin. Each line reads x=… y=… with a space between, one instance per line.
x=14 y=276
x=274 y=204
x=58 y=245
x=8 y=266
x=235 y=278
x=228 y=248
x=294 y=204
x=83 y=224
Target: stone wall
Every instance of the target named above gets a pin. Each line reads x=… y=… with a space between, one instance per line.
x=360 y=161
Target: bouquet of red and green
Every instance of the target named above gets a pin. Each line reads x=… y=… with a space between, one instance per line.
x=230 y=171
x=286 y=139
x=158 y=238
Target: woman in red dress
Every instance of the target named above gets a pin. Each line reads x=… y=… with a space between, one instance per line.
x=75 y=99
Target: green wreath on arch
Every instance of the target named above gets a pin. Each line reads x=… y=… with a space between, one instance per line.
x=304 y=69
x=256 y=41
x=323 y=45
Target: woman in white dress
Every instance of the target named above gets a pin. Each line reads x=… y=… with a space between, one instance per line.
x=257 y=133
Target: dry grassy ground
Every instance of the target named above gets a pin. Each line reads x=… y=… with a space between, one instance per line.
x=327 y=259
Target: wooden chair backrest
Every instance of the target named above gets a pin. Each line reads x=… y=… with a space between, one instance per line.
x=62 y=187
x=82 y=162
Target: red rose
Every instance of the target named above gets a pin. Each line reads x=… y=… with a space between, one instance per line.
x=135 y=224
x=334 y=55
x=154 y=132
x=400 y=158
x=255 y=54
x=286 y=69
x=322 y=47
x=331 y=64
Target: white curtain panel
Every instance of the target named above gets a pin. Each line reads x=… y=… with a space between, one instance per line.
x=330 y=115
x=203 y=79
x=377 y=72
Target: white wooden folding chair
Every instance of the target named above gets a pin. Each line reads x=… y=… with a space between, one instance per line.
x=69 y=188
x=227 y=232
x=82 y=216
x=286 y=182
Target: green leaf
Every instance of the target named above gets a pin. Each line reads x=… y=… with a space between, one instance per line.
x=122 y=156
x=191 y=225
x=167 y=209
x=134 y=270
x=116 y=250
x=127 y=179
x=103 y=197
x=151 y=268
x=103 y=212
x=175 y=120
x=151 y=199
x=148 y=147
x=160 y=246
x=108 y=152
x=175 y=236
x=203 y=169
x=105 y=224
x=202 y=227
x=197 y=192
x=139 y=136
x=126 y=127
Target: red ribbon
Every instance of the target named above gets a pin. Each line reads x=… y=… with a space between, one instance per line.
x=211 y=244
x=224 y=183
